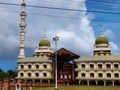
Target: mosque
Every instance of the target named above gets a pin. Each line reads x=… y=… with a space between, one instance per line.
x=102 y=68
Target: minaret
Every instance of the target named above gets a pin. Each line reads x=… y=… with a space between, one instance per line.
x=22 y=31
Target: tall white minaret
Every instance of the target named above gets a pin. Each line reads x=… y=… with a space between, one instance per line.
x=22 y=31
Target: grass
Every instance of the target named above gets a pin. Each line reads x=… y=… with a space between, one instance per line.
x=81 y=88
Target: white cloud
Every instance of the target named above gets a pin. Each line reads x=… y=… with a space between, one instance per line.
x=109 y=34
x=75 y=35
x=114 y=48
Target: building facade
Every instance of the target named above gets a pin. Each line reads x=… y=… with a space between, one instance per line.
x=100 y=69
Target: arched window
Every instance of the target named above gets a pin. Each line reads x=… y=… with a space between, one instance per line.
x=45 y=74
x=83 y=74
x=91 y=74
x=44 y=66
x=83 y=65
x=29 y=74
x=37 y=74
x=99 y=65
x=116 y=66
x=108 y=66
x=108 y=75
x=91 y=66
x=22 y=66
x=37 y=66
x=116 y=75
x=21 y=74
x=29 y=66
x=100 y=75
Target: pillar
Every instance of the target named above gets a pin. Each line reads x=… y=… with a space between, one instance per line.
x=96 y=82
x=79 y=82
x=104 y=83
x=113 y=83
x=88 y=83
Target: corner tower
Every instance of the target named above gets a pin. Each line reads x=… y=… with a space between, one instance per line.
x=101 y=46
x=22 y=31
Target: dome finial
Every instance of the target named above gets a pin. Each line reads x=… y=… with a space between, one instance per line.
x=100 y=29
x=44 y=32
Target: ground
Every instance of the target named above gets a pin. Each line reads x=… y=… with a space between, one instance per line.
x=81 y=88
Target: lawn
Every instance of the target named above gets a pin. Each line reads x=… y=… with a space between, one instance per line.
x=81 y=88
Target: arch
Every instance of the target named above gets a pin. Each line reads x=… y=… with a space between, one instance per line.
x=92 y=82
x=116 y=83
x=37 y=74
x=22 y=66
x=91 y=74
x=21 y=74
x=108 y=74
x=29 y=74
x=109 y=83
x=116 y=65
x=91 y=65
x=83 y=66
x=44 y=66
x=83 y=82
x=108 y=66
x=45 y=74
x=37 y=66
x=29 y=66
x=83 y=74
x=100 y=75
x=100 y=66
x=116 y=75
x=100 y=82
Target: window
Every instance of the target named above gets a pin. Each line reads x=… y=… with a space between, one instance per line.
x=21 y=74
x=22 y=66
x=108 y=66
x=91 y=74
x=100 y=75
x=115 y=65
x=108 y=75
x=29 y=66
x=37 y=66
x=83 y=65
x=83 y=74
x=91 y=66
x=37 y=74
x=116 y=75
x=45 y=66
x=45 y=74
x=29 y=74
x=99 y=65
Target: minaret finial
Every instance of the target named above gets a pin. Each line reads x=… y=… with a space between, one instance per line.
x=100 y=29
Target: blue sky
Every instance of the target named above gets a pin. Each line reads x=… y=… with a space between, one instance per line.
x=77 y=35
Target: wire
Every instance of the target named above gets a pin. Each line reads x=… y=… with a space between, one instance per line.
x=65 y=9
x=73 y=18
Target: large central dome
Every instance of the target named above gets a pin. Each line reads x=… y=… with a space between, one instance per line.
x=44 y=42
x=101 y=39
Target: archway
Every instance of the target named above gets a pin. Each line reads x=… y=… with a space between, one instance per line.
x=83 y=82
x=100 y=82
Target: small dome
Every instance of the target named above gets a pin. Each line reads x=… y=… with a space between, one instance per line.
x=101 y=39
x=44 y=42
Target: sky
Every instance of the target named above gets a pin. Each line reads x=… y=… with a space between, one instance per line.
x=77 y=34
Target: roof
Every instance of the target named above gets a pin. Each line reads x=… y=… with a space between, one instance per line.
x=35 y=59
x=65 y=55
x=98 y=58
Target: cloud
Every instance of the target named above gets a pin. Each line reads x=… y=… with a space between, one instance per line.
x=75 y=35
x=109 y=34
x=114 y=48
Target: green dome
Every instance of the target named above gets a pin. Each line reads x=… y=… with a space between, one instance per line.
x=101 y=39
x=44 y=42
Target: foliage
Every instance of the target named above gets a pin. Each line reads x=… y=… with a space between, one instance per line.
x=9 y=74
